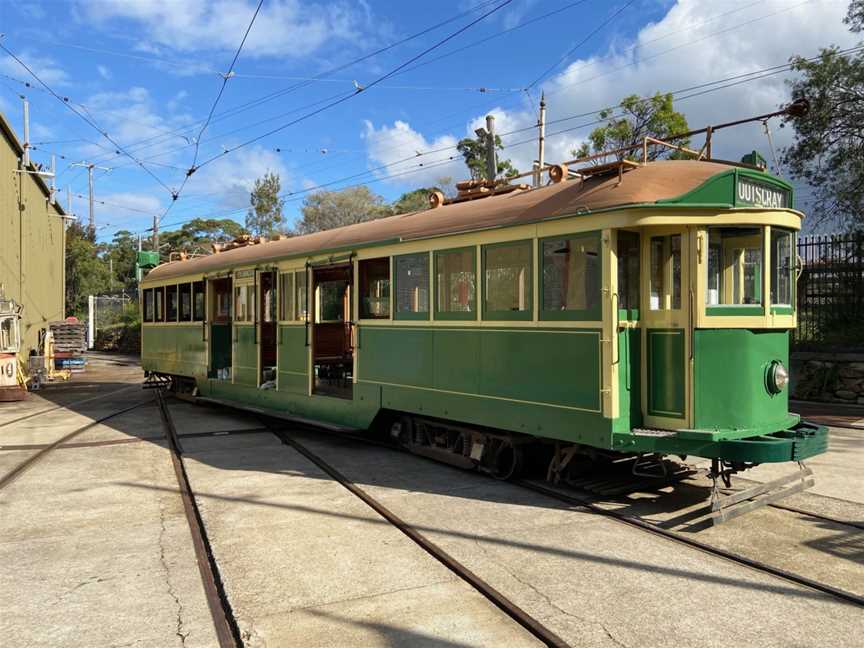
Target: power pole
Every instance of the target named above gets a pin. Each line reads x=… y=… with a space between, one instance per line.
x=26 y=156
x=542 y=140
x=137 y=264
x=90 y=166
x=491 y=162
x=156 y=233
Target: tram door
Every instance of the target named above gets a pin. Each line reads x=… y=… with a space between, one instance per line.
x=219 y=324
x=332 y=343
x=267 y=347
x=667 y=303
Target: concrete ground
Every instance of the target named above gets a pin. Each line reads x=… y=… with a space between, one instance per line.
x=97 y=551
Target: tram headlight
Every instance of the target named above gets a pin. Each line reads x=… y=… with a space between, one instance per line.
x=776 y=377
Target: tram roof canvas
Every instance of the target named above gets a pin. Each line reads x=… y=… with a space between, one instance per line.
x=661 y=181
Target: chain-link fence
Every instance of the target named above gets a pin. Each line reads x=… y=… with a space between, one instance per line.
x=114 y=323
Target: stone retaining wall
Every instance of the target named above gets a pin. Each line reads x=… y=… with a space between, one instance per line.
x=830 y=377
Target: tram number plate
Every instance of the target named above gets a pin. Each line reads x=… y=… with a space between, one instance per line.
x=477 y=451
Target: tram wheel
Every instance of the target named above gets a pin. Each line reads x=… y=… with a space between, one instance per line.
x=509 y=461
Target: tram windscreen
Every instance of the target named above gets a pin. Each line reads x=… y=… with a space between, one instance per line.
x=735 y=266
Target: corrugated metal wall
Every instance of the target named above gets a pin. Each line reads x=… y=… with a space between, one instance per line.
x=31 y=245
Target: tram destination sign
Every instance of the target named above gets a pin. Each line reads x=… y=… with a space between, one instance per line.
x=757 y=194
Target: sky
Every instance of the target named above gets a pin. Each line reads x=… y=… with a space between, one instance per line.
x=407 y=80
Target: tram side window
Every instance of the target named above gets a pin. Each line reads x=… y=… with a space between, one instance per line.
x=286 y=296
x=159 y=301
x=222 y=301
x=665 y=280
x=300 y=293
x=170 y=303
x=571 y=277
x=412 y=286
x=456 y=283
x=374 y=288
x=628 y=269
x=781 y=267
x=148 y=305
x=199 y=297
x=735 y=266
x=185 y=302
x=507 y=280
x=244 y=303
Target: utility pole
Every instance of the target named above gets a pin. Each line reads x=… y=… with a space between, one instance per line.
x=91 y=226
x=491 y=162
x=138 y=264
x=26 y=156
x=156 y=233
x=542 y=141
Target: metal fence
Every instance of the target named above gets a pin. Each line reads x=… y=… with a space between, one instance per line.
x=831 y=293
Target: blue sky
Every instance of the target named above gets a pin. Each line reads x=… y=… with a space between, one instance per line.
x=147 y=72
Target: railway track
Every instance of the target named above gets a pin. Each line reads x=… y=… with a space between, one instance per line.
x=54 y=408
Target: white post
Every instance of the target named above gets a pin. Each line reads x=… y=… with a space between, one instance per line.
x=26 y=156
x=53 y=178
x=91 y=321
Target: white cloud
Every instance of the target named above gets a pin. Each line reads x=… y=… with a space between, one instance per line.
x=103 y=71
x=291 y=28
x=398 y=146
x=46 y=68
x=681 y=50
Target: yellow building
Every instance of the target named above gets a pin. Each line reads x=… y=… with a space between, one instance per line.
x=32 y=241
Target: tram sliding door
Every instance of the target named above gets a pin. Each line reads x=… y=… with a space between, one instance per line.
x=667 y=297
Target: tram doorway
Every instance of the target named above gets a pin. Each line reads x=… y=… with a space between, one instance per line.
x=220 y=333
x=267 y=329
x=332 y=344
x=668 y=279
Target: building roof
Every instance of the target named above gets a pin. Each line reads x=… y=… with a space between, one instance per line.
x=660 y=180
x=10 y=136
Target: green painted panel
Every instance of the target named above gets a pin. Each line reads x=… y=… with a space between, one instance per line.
x=174 y=349
x=629 y=380
x=245 y=356
x=456 y=360
x=396 y=355
x=739 y=188
x=666 y=372
x=220 y=347
x=293 y=352
x=730 y=390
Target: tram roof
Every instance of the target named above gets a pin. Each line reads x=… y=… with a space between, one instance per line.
x=658 y=181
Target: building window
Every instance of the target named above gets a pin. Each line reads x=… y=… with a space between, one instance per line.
x=507 y=281
x=199 y=297
x=148 y=305
x=735 y=266
x=185 y=302
x=412 y=286
x=374 y=288
x=628 y=270
x=244 y=303
x=571 y=277
x=300 y=294
x=159 y=301
x=665 y=279
x=286 y=296
x=456 y=284
x=781 y=267
x=170 y=303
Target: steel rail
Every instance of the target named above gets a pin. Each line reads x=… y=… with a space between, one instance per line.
x=28 y=463
x=224 y=622
x=520 y=616
x=61 y=406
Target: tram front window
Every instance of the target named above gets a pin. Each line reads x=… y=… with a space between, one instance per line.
x=735 y=266
x=665 y=280
x=781 y=267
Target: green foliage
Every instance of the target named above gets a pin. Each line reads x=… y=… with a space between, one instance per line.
x=122 y=252
x=412 y=201
x=197 y=235
x=649 y=117
x=473 y=150
x=86 y=273
x=264 y=217
x=324 y=210
x=828 y=151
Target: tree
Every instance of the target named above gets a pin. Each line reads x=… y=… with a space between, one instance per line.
x=122 y=252
x=86 y=273
x=473 y=150
x=324 y=210
x=264 y=217
x=199 y=234
x=828 y=150
x=650 y=117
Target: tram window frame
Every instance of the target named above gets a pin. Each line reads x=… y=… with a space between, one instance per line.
x=664 y=278
x=593 y=290
x=526 y=311
x=375 y=280
x=629 y=268
x=399 y=264
x=244 y=309
x=734 y=271
x=301 y=296
x=286 y=296
x=184 y=306
x=172 y=303
x=148 y=306
x=787 y=306
x=159 y=304
x=443 y=302
x=199 y=310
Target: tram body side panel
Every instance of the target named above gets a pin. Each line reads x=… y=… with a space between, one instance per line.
x=174 y=349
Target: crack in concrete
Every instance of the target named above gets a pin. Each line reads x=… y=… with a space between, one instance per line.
x=548 y=600
x=162 y=531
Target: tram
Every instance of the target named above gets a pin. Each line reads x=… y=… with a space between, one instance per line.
x=624 y=309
